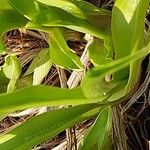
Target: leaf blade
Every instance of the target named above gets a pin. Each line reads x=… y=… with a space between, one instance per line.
x=98 y=133
x=22 y=98
x=34 y=131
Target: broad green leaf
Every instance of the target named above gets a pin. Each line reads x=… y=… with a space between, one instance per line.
x=41 y=96
x=57 y=34
x=98 y=54
x=40 y=72
x=128 y=34
x=94 y=84
x=137 y=42
x=26 y=8
x=126 y=18
x=12 y=70
x=42 y=57
x=66 y=5
x=83 y=10
x=97 y=135
x=10 y=19
x=59 y=58
x=45 y=126
x=55 y=17
x=56 y=53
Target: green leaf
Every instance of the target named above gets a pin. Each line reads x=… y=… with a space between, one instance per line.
x=57 y=34
x=66 y=5
x=44 y=127
x=94 y=84
x=59 y=58
x=46 y=15
x=42 y=96
x=55 y=17
x=128 y=34
x=10 y=19
x=98 y=54
x=12 y=70
x=127 y=17
x=42 y=57
x=83 y=10
x=40 y=72
x=97 y=135
x=2 y=47
x=137 y=42
x=26 y=8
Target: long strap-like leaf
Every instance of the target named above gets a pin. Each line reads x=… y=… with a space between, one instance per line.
x=44 y=127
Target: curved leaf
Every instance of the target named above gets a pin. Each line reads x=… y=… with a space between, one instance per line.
x=40 y=72
x=55 y=17
x=83 y=10
x=45 y=15
x=98 y=54
x=58 y=36
x=41 y=96
x=94 y=84
x=44 y=127
x=66 y=5
x=12 y=70
x=128 y=34
x=26 y=8
x=11 y=19
x=59 y=58
x=41 y=58
x=97 y=135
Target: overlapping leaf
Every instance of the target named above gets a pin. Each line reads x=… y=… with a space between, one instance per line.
x=97 y=135
x=42 y=57
x=98 y=54
x=12 y=70
x=82 y=9
x=59 y=58
x=21 y=99
x=40 y=72
x=128 y=34
x=43 y=127
x=94 y=83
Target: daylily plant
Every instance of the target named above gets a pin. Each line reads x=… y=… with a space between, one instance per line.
x=117 y=49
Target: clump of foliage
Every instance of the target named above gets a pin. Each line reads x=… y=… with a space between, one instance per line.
x=117 y=49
